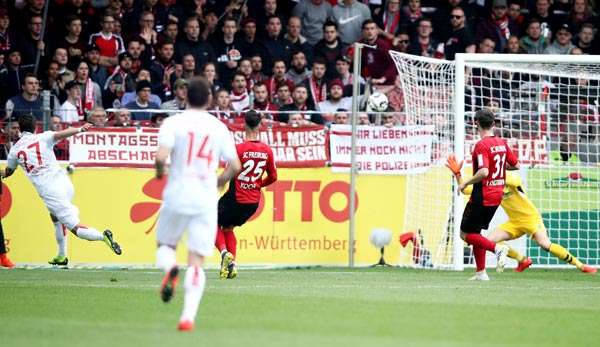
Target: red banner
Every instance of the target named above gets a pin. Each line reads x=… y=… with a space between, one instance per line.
x=292 y=146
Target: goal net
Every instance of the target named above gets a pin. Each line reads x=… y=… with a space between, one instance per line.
x=547 y=107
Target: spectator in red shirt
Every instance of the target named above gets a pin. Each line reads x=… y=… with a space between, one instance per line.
x=109 y=44
x=376 y=62
x=316 y=84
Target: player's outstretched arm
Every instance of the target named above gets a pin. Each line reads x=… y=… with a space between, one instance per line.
x=63 y=134
x=478 y=177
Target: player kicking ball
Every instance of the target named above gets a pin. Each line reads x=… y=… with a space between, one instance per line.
x=35 y=154
x=241 y=200
x=195 y=141
x=491 y=158
x=523 y=219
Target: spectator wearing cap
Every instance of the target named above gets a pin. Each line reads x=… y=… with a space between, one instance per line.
x=533 y=42
x=7 y=40
x=460 y=40
x=142 y=101
x=32 y=42
x=121 y=81
x=585 y=38
x=61 y=56
x=316 y=84
x=296 y=41
x=300 y=98
x=499 y=27
x=276 y=47
x=72 y=41
x=342 y=67
x=336 y=99
x=161 y=69
x=29 y=101
x=11 y=133
x=313 y=15
x=227 y=50
x=11 y=74
x=193 y=44
x=562 y=43
x=109 y=44
x=68 y=111
x=278 y=77
x=329 y=48
x=349 y=16
x=249 y=46
x=179 y=102
x=376 y=62
x=143 y=75
x=299 y=70
x=97 y=73
x=91 y=94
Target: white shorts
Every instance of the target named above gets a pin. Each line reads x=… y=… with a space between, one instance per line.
x=57 y=198
x=202 y=230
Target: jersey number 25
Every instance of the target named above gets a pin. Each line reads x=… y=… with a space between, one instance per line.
x=253 y=168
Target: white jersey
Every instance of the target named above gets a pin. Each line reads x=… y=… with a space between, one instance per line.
x=197 y=141
x=35 y=154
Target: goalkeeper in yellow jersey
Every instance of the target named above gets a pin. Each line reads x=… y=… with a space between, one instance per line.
x=523 y=218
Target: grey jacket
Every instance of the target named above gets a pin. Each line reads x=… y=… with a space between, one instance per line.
x=313 y=17
x=349 y=19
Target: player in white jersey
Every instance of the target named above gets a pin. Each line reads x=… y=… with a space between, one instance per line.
x=35 y=154
x=196 y=141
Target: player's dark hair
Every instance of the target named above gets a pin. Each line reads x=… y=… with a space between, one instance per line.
x=252 y=119
x=485 y=118
x=198 y=92
x=27 y=123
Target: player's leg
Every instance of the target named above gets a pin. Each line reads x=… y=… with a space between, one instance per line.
x=200 y=243
x=4 y=261
x=542 y=239
x=169 y=229
x=60 y=235
x=511 y=231
x=231 y=242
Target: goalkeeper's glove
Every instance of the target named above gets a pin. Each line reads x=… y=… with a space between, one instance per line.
x=453 y=165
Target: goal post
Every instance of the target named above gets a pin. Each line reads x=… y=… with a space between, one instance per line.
x=547 y=107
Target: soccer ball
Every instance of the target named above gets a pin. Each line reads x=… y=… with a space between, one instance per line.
x=378 y=102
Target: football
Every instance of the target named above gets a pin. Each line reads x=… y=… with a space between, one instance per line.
x=378 y=102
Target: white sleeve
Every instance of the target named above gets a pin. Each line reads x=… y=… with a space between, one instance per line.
x=228 y=151
x=48 y=138
x=11 y=160
x=166 y=134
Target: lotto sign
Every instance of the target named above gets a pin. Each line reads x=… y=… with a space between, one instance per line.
x=302 y=218
x=382 y=150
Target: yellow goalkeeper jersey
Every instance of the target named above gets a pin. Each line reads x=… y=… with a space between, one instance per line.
x=515 y=203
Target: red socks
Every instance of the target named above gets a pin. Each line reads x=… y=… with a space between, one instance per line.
x=480 y=241
x=220 y=240
x=226 y=241
x=479 y=254
x=230 y=241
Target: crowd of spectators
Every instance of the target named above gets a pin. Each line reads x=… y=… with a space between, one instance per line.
x=295 y=56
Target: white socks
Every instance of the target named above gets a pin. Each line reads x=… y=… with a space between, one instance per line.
x=165 y=258
x=194 y=287
x=60 y=232
x=89 y=234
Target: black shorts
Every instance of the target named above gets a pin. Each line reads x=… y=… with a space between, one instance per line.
x=476 y=217
x=232 y=213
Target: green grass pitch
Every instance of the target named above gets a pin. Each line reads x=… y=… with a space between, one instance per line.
x=303 y=307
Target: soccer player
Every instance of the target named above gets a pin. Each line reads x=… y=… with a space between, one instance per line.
x=35 y=154
x=523 y=218
x=241 y=200
x=490 y=158
x=4 y=260
x=195 y=141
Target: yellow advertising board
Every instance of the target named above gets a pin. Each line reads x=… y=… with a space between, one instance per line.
x=302 y=219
